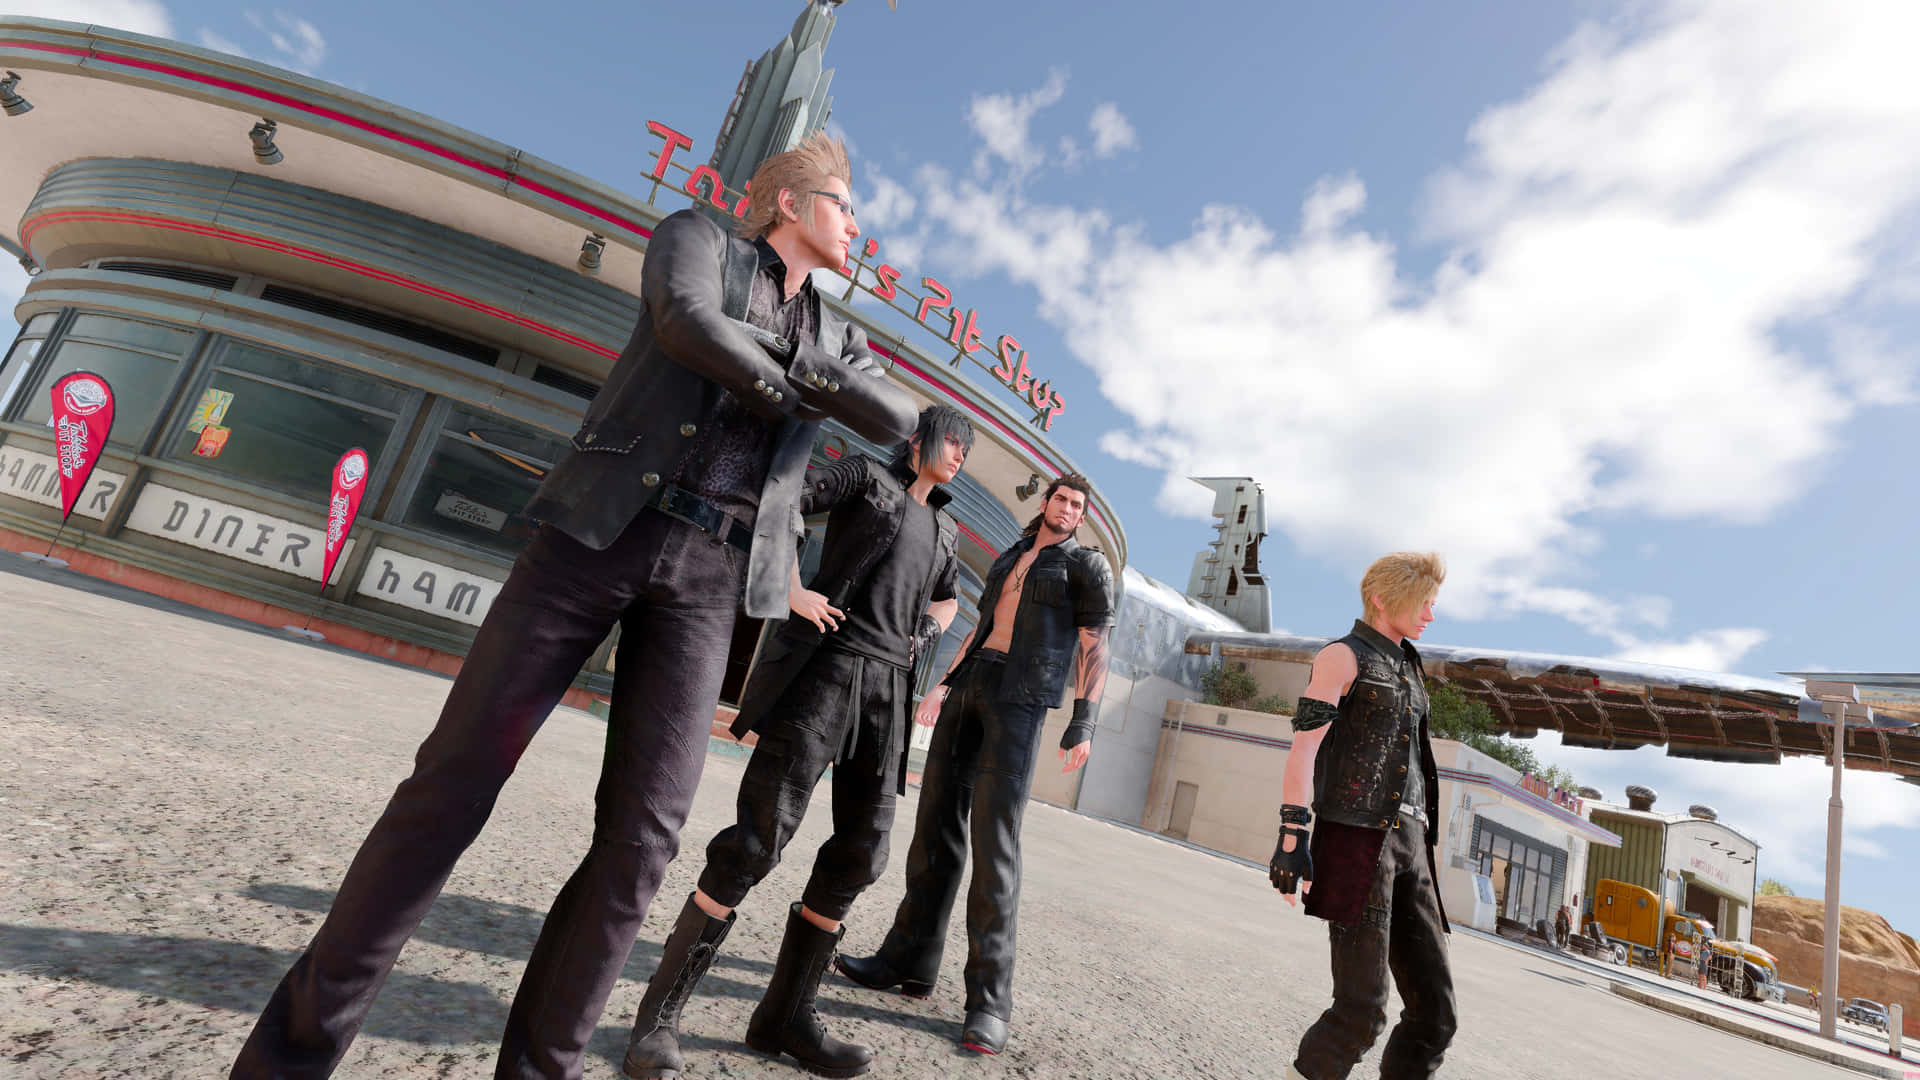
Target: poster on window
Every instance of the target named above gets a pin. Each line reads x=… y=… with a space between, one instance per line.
x=82 y=421
x=349 y=484
x=212 y=440
x=210 y=409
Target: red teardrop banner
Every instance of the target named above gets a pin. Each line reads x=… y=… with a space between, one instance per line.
x=82 y=421
x=349 y=483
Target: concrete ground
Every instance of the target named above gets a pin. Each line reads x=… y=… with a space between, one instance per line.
x=179 y=796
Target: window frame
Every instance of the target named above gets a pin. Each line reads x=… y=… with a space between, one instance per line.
x=208 y=363
x=438 y=412
x=61 y=332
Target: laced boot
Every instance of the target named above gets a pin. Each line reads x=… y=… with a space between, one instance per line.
x=653 y=1050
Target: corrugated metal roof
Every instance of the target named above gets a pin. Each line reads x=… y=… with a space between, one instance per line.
x=1620 y=705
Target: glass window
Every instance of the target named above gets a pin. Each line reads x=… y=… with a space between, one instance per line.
x=140 y=382
x=148 y=336
x=283 y=421
x=14 y=369
x=483 y=470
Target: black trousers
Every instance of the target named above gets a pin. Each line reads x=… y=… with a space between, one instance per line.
x=675 y=591
x=805 y=733
x=1400 y=934
x=978 y=773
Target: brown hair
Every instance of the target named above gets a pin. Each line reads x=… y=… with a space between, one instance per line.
x=1402 y=580
x=798 y=170
x=1072 y=480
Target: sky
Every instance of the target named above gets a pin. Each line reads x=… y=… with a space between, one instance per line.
x=1614 y=304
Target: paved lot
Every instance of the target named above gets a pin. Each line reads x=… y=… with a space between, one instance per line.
x=179 y=796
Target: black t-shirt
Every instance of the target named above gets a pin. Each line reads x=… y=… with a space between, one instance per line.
x=881 y=619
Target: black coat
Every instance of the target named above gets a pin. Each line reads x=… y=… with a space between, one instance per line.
x=1068 y=587
x=684 y=354
x=867 y=501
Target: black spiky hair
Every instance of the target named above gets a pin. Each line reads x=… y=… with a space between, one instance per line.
x=936 y=423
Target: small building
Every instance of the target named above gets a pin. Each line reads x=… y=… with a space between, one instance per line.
x=1705 y=866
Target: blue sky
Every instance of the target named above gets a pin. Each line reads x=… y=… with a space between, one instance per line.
x=1614 y=303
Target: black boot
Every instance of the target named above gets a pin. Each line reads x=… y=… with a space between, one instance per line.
x=984 y=1033
x=875 y=973
x=785 y=1022
x=653 y=1050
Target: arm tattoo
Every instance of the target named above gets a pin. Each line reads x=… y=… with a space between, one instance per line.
x=1091 y=678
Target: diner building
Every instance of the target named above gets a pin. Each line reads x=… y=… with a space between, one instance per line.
x=270 y=269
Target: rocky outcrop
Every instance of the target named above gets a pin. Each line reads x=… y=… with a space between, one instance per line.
x=1876 y=961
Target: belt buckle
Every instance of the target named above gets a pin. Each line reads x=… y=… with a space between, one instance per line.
x=673 y=498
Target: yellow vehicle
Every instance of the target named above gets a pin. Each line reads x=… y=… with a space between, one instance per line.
x=1741 y=968
x=1639 y=927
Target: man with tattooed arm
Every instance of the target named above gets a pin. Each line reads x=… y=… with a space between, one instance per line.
x=1048 y=605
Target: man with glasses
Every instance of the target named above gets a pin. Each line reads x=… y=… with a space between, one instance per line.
x=677 y=504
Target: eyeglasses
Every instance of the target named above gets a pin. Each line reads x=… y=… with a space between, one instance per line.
x=846 y=204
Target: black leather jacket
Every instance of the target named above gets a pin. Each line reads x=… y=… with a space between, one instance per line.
x=1067 y=587
x=867 y=502
x=1360 y=772
x=684 y=354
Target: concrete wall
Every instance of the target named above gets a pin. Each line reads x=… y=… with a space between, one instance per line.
x=1234 y=759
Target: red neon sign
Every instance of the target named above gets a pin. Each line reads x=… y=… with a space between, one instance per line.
x=963 y=328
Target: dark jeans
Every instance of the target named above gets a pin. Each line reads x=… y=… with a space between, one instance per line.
x=1399 y=933
x=674 y=591
x=979 y=766
x=804 y=734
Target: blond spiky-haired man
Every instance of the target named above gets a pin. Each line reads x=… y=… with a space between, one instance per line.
x=1361 y=755
x=673 y=511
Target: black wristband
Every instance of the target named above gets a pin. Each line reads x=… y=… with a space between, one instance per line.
x=1080 y=728
x=1310 y=713
x=1295 y=815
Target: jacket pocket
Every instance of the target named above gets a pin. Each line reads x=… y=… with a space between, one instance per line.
x=1049 y=586
x=1045 y=674
x=606 y=435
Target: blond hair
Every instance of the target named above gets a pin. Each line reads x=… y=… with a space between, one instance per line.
x=1403 y=580
x=798 y=170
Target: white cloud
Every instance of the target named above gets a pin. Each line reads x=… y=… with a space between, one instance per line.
x=886 y=203
x=1708 y=650
x=1111 y=131
x=210 y=40
x=139 y=16
x=1002 y=121
x=1783 y=806
x=298 y=42
x=1626 y=247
